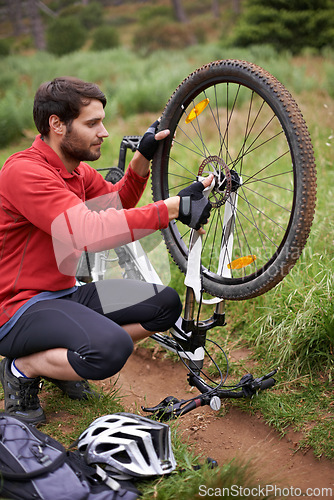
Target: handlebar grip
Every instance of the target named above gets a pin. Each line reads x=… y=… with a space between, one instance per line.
x=195 y=403
x=266 y=383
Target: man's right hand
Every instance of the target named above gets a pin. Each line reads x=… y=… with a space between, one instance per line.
x=190 y=206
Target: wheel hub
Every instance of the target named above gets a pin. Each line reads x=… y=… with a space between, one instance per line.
x=224 y=182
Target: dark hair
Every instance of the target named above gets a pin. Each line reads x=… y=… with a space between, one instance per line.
x=63 y=97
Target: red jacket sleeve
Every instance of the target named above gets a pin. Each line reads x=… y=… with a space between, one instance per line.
x=130 y=188
x=44 y=200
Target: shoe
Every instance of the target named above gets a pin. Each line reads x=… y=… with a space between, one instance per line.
x=21 y=395
x=75 y=389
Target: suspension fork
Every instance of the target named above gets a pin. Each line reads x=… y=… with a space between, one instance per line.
x=198 y=329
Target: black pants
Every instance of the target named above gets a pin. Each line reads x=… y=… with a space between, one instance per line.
x=89 y=324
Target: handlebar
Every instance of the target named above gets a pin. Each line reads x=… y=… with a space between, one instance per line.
x=128 y=142
x=171 y=407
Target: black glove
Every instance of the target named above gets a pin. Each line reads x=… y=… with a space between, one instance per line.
x=194 y=206
x=148 y=144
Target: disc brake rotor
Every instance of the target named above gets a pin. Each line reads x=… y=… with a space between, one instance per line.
x=223 y=185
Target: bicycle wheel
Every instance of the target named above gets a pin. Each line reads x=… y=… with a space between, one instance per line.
x=236 y=120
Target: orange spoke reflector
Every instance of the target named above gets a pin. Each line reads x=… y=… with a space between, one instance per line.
x=241 y=262
x=197 y=110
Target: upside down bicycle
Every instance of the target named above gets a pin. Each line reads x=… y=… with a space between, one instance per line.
x=235 y=120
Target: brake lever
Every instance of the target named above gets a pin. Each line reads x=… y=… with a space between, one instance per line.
x=251 y=385
x=168 y=408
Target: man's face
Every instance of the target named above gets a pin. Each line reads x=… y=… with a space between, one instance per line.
x=84 y=136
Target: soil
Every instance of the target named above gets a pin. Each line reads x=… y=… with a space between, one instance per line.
x=147 y=378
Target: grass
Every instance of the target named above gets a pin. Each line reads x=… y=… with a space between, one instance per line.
x=291 y=326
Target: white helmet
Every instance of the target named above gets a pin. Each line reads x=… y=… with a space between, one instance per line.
x=129 y=445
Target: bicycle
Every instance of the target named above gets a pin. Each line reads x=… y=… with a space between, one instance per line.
x=235 y=120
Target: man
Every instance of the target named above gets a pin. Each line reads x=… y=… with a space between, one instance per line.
x=49 y=327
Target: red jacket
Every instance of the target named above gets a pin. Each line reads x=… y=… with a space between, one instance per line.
x=45 y=223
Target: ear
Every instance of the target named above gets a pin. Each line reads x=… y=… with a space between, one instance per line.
x=56 y=125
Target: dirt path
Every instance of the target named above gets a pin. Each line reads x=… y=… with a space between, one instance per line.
x=146 y=380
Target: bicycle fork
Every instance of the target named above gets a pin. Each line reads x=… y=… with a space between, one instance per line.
x=199 y=329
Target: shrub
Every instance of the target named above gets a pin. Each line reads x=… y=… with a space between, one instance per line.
x=15 y=116
x=159 y=34
x=71 y=10
x=65 y=35
x=284 y=26
x=105 y=37
x=60 y=4
x=9 y=124
x=4 y=48
x=146 y=14
x=89 y=16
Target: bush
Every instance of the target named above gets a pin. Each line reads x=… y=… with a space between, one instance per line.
x=60 y=4
x=159 y=34
x=105 y=37
x=92 y=15
x=10 y=128
x=15 y=116
x=146 y=14
x=65 y=35
x=4 y=48
x=89 y=16
x=284 y=26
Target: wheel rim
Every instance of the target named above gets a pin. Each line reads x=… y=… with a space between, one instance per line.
x=234 y=122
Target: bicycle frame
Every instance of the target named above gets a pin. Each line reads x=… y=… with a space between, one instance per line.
x=189 y=336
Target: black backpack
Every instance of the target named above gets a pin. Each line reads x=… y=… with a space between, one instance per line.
x=33 y=465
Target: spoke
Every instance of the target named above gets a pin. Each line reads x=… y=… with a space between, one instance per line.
x=242 y=149
x=183 y=176
x=266 y=166
x=257 y=228
x=268 y=199
x=246 y=240
x=186 y=233
x=241 y=153
x=218 y=120
x=249 y=151
x=178 y=186
x=198 y=153
x=217 y=123
x=264 y=180
x=258 y=210
x=254 y=122
x=197 y=131
x=243 y=233
x=228 y=121
x=182 y=166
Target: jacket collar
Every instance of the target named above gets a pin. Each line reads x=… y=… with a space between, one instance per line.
x=52 y=158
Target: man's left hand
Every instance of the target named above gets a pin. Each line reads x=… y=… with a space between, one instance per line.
x=150 y=141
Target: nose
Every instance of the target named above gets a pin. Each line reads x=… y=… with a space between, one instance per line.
x=103 y=131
